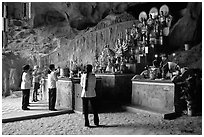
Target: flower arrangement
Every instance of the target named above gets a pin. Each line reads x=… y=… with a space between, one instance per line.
x=188 y=87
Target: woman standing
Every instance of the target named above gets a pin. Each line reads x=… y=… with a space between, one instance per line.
x=88 y=83
x=25 y=86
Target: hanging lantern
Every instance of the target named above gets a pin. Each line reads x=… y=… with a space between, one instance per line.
x=154 y=12
x=164 y=9
x=142 y=16
x=166 y=18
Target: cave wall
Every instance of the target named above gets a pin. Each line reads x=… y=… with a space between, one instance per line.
x=17 y=10
x=11 y=71
x=79 y=15
x=82 y=15
x=191 y=58
x=188 y=29
x=80 y=46
x=86 y=47
x=67 y=20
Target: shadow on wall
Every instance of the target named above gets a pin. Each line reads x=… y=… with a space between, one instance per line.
x=11 y=72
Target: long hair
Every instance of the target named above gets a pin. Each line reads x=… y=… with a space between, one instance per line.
x=88 y=71
x=52 y=67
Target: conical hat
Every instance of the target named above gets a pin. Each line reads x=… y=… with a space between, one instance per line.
x=165 y=10
x=143 y=15
x=154 y=12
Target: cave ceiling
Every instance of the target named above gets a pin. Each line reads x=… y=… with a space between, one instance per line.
x=81 y=15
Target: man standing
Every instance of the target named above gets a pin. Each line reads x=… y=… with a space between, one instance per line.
x=52 y=78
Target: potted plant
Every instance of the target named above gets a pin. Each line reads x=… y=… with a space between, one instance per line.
x=188 y=93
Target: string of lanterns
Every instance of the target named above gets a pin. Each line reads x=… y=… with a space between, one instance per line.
x=151 y=30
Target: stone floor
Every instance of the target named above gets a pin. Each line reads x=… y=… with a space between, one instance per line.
x=122 y=123
x=113 y=122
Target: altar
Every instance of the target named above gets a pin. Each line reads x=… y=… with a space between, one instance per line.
x=115 y=87
x=156 y=95
x=64 y=94
x=68 y=94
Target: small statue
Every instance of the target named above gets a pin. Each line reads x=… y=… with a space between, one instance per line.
x=133 y=31
x=123 y=67
x=117 y=65
x=109 y=67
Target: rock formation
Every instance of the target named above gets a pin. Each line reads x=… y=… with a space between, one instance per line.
x=188 y=29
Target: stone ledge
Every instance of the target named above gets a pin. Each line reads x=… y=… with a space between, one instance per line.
x=35 y=116
x=141 y=109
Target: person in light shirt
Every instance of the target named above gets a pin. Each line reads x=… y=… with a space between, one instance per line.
x=25 y=87
x=36 y=84
x=52 y=78
x=88 y=83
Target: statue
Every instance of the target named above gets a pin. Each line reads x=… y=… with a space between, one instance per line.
x=109 y=67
